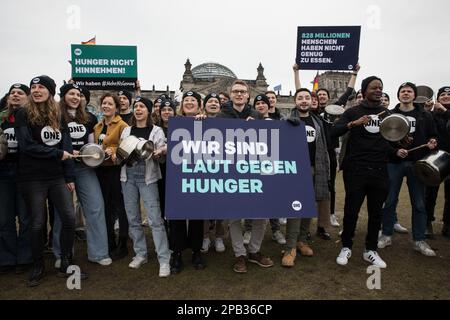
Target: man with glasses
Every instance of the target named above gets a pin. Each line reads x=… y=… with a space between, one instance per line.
x=238 y=108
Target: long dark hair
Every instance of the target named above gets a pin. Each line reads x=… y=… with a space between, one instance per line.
x=80 y=113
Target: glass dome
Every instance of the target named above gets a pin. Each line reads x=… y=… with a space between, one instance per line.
x=211 y=70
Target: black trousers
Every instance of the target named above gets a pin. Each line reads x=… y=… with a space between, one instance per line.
x=109 y=179
x=183 y=236
x=361 y=182
x=35 y=194
x=431 y=194
x=333 y=168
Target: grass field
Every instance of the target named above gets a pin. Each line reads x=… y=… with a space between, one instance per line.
x=409 y=275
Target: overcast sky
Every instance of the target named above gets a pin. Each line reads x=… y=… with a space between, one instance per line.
x=400 y=40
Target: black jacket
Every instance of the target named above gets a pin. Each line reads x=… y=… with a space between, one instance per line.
x=442 y=123
x=363 y=147
x=425 y=130
x=228 y=112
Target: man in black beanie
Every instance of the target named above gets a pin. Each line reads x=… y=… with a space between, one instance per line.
x=441 y=117
x=422 y=131
x=365 y=169
x=125 y=98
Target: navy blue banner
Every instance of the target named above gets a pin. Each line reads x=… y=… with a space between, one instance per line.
x=328 y=48
x=232 y=169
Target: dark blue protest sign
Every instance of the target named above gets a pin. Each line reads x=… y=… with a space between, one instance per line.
x=231 y=169
x=328 y=48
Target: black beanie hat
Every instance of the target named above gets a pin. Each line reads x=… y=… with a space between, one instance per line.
x=126 y=94
x=442 y=90
x=195 y=95
x=365 y=84
x=65 y=88
x=20 y=86
x=86 y=93
x=408 y=84
x=261 y=97
x=209 y=96
x=145 y=101
x=46 y=81
x=168 y=103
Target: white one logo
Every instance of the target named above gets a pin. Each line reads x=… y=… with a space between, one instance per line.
x=101 y=138
x=50 y=136
x=310 y=134
x=374 y=124
x=17 y=85
x=36 y=80
x=11 y=138
x=350 y=67
x=297 y=205
x=78 y=52
x=77 y=131
x=412 y=123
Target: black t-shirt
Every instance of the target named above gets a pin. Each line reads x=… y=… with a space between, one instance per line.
x=311 y=137
x=79 y=132
x=412 y=116
x=44 y=150
x=141 y=132
x=13 y=147
x=127 y=117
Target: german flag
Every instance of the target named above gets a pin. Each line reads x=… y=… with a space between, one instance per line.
x=89 y=42
x=316 y=82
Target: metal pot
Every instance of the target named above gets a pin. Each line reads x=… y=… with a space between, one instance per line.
x=3 y=145
x=395 y=127
x=433 y=169
x=332 y=113
x=424 y=94
x=92 y=155
x=145 y=148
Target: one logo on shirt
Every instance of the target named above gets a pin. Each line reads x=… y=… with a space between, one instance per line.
x=50 y=136
x=412 y=124
x=11 y=138
x=374 y=124
x=101 y=138
x=310 y=134
x=77 y=131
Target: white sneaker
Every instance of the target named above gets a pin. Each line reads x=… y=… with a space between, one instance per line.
x=384 y=241
x=283 y=221
x=399 y=228
x=205 y=246
x=424 y=248
x=333 y=221
x=164 y=270
x=247 y=236
x=219 y=246
x=279 y=237
x=137 y=262
x=105 y=262
x=58 y=263
x=343 y=256
x=374 y=258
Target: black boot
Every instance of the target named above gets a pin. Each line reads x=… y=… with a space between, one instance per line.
x=122 y=249
x=176 y=264
x=37 y=273
x=197 y=260
x=67 y=261
x=322 y=233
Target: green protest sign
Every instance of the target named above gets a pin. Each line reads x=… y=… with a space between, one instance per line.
x=104 y=67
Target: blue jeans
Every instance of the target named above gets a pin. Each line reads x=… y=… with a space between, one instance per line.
x=15 y=248
x=90 y=196
x=416 y=194
x=135 y=189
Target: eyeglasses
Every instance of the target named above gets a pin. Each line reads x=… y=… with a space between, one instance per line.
x=239 y=92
